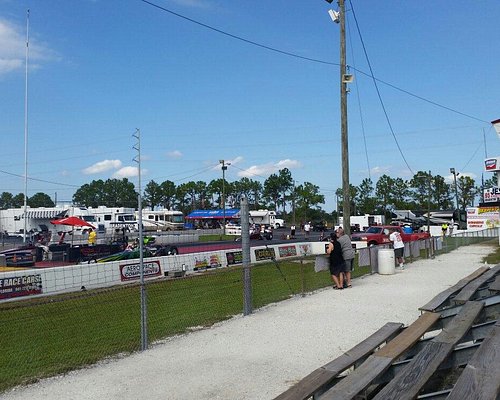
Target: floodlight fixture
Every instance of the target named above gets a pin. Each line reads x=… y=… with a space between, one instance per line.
x=334 y=15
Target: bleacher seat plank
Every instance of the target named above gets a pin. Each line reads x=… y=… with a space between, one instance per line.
x=407 y=384
x=480 y=379
x=444 y=296
x=381 y=360
x=495 y=286
x=310 y=384
x=468 y=291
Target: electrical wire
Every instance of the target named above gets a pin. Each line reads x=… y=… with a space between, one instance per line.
x=360 y=112
x=378 y=91
x=315 y=60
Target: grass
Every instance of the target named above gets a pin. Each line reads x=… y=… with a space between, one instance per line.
x=53 y=335
x=215 y=238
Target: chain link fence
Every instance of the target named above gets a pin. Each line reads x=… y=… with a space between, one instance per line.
x=46 y=336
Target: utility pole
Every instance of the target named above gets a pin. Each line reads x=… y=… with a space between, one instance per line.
x=343 y=123
x=455 y=173
x=224 y=168
x=339 y=18
x=429 y=204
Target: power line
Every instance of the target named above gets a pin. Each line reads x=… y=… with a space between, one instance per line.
x=378 y=91
x=39 y=180
x=315 y=60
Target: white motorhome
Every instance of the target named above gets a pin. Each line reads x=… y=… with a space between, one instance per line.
x=162 y=220
x=109 y=219
x=266 y=217
x=38 y=219
x=363 y=222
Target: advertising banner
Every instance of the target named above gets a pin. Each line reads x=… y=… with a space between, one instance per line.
x=234 y=257
x=287 y=251
x=17 y=286
x=265 y=254
x=491 y=195
x=483 y=218
x=130 y=272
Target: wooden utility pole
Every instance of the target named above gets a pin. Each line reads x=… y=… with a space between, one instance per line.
x=343 y=124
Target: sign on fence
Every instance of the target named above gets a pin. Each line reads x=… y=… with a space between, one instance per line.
x=17 y=286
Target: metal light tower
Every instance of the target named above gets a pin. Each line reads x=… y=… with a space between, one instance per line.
x=224 y=168
x=455 y=174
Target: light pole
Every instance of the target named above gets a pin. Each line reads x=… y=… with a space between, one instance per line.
x=455 y=174
x=339 y=17
x=224 y=168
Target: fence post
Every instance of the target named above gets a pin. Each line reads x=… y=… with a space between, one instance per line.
x=245 y=249
x=303 y=277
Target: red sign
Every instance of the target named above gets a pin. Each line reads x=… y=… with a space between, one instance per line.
x=490 y=164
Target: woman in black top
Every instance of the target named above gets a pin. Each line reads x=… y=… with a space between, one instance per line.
x=337 y=264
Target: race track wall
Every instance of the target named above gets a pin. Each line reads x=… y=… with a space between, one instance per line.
x=21 y=283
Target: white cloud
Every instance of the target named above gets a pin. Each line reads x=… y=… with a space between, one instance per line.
x=102 y=166
x=13 y=49
x=174 y=154
x=267 y=169
x=380 y=170
x=127 y=172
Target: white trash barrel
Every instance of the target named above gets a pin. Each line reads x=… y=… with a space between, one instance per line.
x=386 y=262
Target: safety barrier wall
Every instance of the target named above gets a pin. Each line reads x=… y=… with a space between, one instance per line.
x=45 y=281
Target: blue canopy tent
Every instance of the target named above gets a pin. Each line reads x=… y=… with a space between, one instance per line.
x=232 y=213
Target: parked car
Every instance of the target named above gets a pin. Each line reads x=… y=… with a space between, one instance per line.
x=319 y=226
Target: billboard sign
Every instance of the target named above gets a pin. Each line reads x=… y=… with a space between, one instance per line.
x=491 y=195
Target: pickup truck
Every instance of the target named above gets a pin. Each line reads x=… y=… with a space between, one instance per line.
x=376 y=235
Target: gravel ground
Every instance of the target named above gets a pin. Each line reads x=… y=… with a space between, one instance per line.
x=261 y=355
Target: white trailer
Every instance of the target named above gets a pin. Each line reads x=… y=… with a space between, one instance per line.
x=162 y=220
x=364 y=221
x=112 y=219
x=266 y=217
x=38 y=219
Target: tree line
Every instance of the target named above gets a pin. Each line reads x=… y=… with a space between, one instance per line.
x=278 y=192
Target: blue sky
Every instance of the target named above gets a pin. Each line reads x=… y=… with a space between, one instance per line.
x=99 y=69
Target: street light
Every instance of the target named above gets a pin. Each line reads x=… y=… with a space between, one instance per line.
x=224 y=168
x=455 y=174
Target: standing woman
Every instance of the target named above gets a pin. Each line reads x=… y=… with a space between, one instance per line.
x=337 y=264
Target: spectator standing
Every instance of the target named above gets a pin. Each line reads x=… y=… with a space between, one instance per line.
x=444 y=228
x=347 y=253
x=92 y=237
x=337 y=264
x=292 y=231
x=399 y=248
x=307 y=229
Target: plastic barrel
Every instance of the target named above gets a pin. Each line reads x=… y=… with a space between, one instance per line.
x=386 y=262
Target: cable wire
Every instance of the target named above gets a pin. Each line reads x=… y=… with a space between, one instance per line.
x=378 y=91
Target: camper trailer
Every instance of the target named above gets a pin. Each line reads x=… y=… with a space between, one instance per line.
x=111 y=219
x=162 y=220
x=266 y=217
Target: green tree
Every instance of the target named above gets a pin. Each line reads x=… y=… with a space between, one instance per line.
x=18 y=200
x=441 y=193
x=152 y=195
x=40 y=200
x=6 y=200
x=308 y=198
x=111 y=193
x=168 y=192
x=272 y=190
x=421 y=185
x=467 y=191
x=384 y=192
x=400 y=194
x=365 y=200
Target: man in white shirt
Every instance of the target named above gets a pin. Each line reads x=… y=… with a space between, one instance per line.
x=399 y=248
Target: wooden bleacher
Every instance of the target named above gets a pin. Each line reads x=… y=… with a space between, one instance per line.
x=452 y=351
